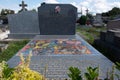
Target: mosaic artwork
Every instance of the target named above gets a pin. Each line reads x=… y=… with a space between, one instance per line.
x=58 y=46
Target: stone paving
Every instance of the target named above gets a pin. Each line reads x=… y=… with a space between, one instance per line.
x=55 y=66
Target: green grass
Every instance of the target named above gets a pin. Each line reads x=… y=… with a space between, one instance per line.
x=90 y=33
x=12 y=49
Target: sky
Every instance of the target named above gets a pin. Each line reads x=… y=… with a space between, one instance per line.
x=94 y=6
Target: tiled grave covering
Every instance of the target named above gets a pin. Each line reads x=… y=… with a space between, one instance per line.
x=57 y=46
x=57 y=53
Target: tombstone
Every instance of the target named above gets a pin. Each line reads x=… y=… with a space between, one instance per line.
x=99 y=18
x=23 y=25
x=98 y=21
x=114 y=25
x=112 y=35
x=57 y=19
x=1 y=21
x=117 y=40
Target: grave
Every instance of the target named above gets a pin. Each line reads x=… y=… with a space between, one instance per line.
x=23 y=25
x=58 y=47
x=113 y=25
x=98 y=22
x=113 y=29
x=57 y=19
x=110 y=39
x=58 y=53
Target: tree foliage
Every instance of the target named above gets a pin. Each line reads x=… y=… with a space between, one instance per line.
x=115 y=11
x=82 y=20
x=6 y=11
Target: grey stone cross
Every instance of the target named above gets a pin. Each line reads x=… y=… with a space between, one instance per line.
x=23 y=5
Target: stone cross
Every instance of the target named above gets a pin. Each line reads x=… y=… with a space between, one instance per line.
x=23 y=5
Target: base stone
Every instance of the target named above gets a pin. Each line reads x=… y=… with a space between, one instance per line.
x=55 y=53
x=21 y=35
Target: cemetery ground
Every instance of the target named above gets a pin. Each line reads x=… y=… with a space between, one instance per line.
x=89 y=34
x=13 y=47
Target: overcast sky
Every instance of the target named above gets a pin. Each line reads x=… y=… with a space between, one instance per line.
x=94 y=6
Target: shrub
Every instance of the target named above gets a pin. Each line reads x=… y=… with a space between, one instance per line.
x=92 y=73
x=5 y=71
x=23 y=72
x=74 y=73
x=118 y=68
x=82 y=20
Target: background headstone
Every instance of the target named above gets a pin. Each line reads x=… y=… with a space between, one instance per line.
x=23 y=25
x=113 y=24
x=98 y=22
x=57 y=19
x=112 y=35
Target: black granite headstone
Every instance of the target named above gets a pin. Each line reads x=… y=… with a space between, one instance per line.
x=57 y=19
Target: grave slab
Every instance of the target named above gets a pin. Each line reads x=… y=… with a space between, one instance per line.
x=58 y=53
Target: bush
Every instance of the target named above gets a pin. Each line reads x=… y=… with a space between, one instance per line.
x=5 y=71
x=92 y=73
x=75 y=73
x=82 y=20
x=21 y=72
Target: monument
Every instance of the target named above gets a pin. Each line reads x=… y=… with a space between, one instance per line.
x=110 y=39
x=98 y=22
x=57 y=19
x=58 y=47
x=23 y=25
x=113 y=29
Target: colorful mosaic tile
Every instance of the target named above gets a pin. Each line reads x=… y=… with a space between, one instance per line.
x=58 y=46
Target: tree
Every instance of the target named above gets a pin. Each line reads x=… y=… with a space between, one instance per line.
x=82 y=20
x=34 y=10
x=6 y=11
x=115 y=11
x=90 y=17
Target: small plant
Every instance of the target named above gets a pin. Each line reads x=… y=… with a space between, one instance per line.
x=23 y=72
x=118 y=68
x=75 y=73
x=82 y=20
x=112 y=73
x=92 y=73
x=5 y=71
